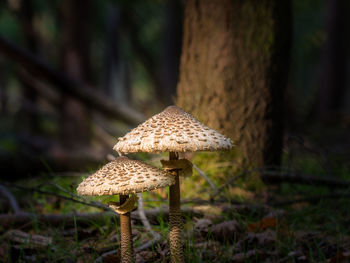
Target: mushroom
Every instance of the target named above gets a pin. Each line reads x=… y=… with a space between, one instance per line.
x=173 y=130
x=123 y=177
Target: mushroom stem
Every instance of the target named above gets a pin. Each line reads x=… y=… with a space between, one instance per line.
x=175 y=219
x=127 y=255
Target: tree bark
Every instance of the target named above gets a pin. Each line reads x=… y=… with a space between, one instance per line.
x=233 y=72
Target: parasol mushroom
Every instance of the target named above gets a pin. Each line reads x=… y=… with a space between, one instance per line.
x=123 y=177
x=173 y=130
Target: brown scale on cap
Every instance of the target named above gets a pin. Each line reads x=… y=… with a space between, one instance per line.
x=172 y=130
x=124 y=176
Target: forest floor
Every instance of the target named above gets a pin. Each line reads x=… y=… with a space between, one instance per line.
x=283 y=222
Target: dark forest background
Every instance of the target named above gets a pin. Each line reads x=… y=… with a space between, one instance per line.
x=75 y=75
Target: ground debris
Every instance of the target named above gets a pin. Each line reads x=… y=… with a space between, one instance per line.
x=226 y=231
x=32 y=240
x=255 y=254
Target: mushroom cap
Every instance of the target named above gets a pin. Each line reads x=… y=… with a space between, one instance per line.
x=172 y=130
x=124 y=176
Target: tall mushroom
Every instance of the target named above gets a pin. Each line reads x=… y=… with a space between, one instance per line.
x=123 y=177
x=173 y=130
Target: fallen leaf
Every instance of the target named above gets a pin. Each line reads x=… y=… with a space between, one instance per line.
x=112 y=258
x=340 y=257
x=266 y=222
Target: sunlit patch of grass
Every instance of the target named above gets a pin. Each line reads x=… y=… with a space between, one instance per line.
x=326 y=216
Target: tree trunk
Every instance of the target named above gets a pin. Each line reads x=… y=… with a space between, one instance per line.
x=168 y=68
x=117 y=80
x=27 y=119
x=75 y=62
x=3 y=90
x=233 y=72
x=333 y=78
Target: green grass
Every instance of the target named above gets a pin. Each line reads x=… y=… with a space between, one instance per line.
x=318 y=229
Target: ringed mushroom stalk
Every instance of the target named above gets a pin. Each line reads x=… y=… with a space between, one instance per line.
x=175 y=218
x=124 y=177
x=173 y=130
x=127 y=251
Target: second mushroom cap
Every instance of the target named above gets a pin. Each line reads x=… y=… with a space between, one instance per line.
x=124 y=176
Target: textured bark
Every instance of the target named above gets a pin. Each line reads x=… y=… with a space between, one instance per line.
x=175 y=219
x=127 y=254
x=233 y=72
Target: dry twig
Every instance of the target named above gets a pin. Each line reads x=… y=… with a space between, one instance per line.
x=68 y=85
x=311 y=199
x=206 y=178
x=156 y=236
x=11 y=199
x=80 y=201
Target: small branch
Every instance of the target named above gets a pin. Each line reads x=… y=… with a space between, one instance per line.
x=11 y=199
x=44 y=90
x=201 y=173
x=83 y=202
x=103 y=136
x=73 y=195
x=311 y=199
x=15 y=220
x=277 y=177
x=58 y=160
x=156 y=236
x=68 y=85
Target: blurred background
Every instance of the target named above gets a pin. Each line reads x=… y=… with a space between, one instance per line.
x=75 y=75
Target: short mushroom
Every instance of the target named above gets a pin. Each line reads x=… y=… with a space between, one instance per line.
x=173 y=130
x=122 y=177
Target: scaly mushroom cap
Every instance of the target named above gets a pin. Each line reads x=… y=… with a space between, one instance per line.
x=172 y=130
x=124 y=176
